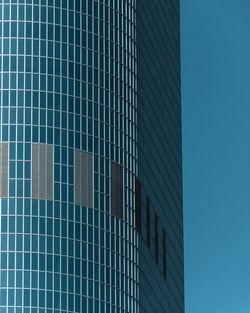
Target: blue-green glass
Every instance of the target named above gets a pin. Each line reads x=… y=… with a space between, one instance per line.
x=160 y=155
x=66 y=81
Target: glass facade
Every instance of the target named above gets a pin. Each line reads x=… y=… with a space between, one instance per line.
x=90 y=157
x=68 y=110
x=160 y=157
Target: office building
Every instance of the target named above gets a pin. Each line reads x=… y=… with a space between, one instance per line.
x=159 y=183
x=90 y=157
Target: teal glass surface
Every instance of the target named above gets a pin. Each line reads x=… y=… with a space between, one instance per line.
x=68 y=79
x=97 y=81
x=161 y=261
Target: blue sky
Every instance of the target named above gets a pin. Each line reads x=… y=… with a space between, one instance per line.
x=216 y=154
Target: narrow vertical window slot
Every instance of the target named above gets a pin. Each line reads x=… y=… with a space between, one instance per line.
x=137 y=205
x=116 y=190
x=164 y=252
x=148 y=221
x=4 y=170
x=83 y=178
x=156 y=240
x=42 y=171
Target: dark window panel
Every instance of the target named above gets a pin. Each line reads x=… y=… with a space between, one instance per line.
x=156 y=240
x=148 y=221
x=164 y=252
x=138 y=205
x=117 y=190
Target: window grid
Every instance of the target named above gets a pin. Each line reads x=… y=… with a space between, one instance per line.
x=91 y=108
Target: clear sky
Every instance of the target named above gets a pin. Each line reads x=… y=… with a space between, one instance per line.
x=216 y=154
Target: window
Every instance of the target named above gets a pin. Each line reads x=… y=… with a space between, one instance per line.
x=84 y=178
x=138 y=205
x=148 y=221
x=4 y=166
x=116 y=190
x=164 y=252
x=42 y=171
x=156 y=239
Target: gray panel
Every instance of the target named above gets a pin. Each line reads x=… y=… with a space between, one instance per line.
x=4 y=170
x=35 y=171
x=116 y=190
x=84 y=178
x=78 y=187
x=50 y=184
x=90 y=179
x=42 y=171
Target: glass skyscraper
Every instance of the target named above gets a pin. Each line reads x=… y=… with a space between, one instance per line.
x=90 y=157
x=159 y=182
